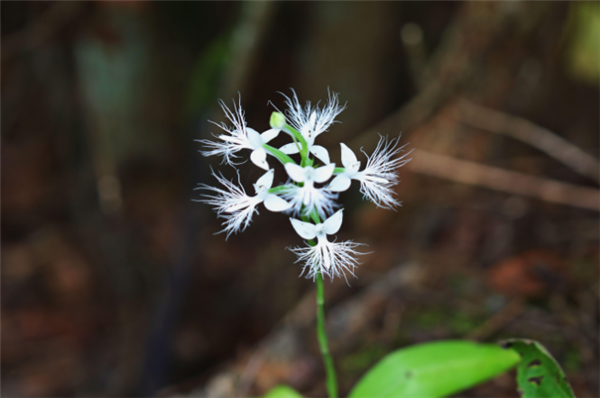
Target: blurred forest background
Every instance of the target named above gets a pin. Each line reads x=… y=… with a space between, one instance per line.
x=113 y=282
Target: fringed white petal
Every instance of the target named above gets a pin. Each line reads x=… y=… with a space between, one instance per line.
x=231 y=203
x=235 y=139
x=307 y=198
x=311 y=121
x=331 y=259
x=380 y=174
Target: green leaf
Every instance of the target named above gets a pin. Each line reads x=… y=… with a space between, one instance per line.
x=434 y=370
x=283 y=391
x=583 y=48
x=538 y=374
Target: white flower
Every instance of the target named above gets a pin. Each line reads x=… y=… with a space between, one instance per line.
x=239 y=137
x=307 y=195
x=236 y=207
x=379 y=175
x=328 y=258
x=310 y=122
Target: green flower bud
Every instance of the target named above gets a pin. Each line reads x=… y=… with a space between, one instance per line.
x=277 y=120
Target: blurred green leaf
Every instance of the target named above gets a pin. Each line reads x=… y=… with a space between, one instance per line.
x=282 y=391
x=206 y=74
x=583 y=52
x=538 y=374
x=434 y=370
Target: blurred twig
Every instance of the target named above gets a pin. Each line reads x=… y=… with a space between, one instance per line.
x=41 y=29
x=536 y=136
x=460 y=60
x=504 y=180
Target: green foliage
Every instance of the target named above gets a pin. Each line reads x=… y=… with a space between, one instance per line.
x=583 y=52
x=434 y=370
x=282 y=391
x=206 y=74
x=538 y=374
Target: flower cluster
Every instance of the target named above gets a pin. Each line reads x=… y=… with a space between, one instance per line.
x=310 y=193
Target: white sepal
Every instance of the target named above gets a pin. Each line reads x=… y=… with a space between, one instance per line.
x=324 y=173
x=349 y=160
x=265 y=181
x=276 y=204
x=290 y=149
x=295 y=172
x=269 y=135
x=340 y=183
x=304 y=229
x=259 y=157
x=320 y=152
x=348 y=156
x=254 y=138
x=332 y=224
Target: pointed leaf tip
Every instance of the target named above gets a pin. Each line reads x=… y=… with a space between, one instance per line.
x=434 y=370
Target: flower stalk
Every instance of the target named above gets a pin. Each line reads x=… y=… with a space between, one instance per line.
x=330 y=375
x=282 y=157
x=308 y=196
x=331 y=378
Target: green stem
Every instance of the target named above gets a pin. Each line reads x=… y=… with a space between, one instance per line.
x=331 y=381
x=315 y=216
x=279 y=189
x=299 y=137
x=331 y=378
x=282 y=157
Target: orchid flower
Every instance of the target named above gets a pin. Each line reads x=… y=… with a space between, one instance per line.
x=328 y=258
x=378 y=177
x=233 y=204
x=308 y=196
x=311 y=122
x=239 y=137
x=310 y=193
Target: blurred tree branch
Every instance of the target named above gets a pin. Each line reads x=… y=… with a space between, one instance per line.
x=503 y=180
x=455 y=69
x=536 y=136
